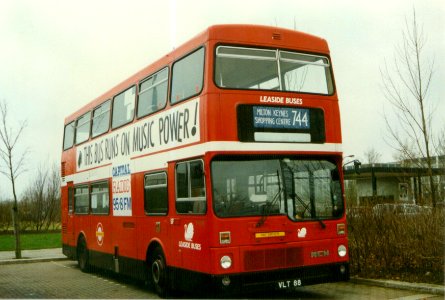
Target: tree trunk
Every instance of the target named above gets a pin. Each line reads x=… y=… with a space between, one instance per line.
x=15 y=222
x=15 y=213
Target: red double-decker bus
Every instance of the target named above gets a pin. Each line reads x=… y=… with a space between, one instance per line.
x=219 y=164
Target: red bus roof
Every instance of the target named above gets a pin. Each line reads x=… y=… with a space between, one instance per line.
x=268 y=36
x=262 y=36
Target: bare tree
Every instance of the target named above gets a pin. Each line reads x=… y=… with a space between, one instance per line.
x=53 y=196
x=372 y=156
x=14 y=165
x=41 y=201
x=407 y=88
x=5 y=215
x=440 y=150
x=440 y=146
x=34 y=199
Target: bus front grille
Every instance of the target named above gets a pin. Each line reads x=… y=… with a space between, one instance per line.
x=273 y=258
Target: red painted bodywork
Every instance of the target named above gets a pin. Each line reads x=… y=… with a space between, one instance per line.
x=133 y=235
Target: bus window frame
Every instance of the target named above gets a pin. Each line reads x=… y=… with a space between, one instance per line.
x=80 y=186
x=109 y=118
x=325 y=55
x=73 y=124
x=203 y=75
x=190 y=198
x=90 y=190
x=134 y=106
x=166 y=188
x=139 y=91
x=89 y=129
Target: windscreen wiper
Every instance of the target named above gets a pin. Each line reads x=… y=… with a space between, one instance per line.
x=306 y=207
x=322 y=224
x=267 y=207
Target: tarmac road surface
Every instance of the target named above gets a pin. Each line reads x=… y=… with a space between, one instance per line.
x=63 y=279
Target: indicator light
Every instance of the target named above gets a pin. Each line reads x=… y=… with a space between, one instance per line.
x=341 y=229
x=224 y=238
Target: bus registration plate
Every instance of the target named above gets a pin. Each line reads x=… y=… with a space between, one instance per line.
x=287 y=284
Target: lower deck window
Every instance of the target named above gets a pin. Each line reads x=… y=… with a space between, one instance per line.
x=155 y=194
x=100 y=200
x=190 y=188
x=81 y=200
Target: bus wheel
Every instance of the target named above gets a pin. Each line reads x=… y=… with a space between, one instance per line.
x=158 y=272
x=82 y=255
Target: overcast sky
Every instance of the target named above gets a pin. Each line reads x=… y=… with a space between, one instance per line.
x=56 y=56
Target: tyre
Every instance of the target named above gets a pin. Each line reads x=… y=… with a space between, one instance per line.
x=83 y=255
x=158 y=274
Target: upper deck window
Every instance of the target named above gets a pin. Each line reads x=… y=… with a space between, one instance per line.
x=68 y=138
x=83 y=128
x=153 y=93
x=187 y=76
x=264 y=69
x=123 y=107
x=101 y=119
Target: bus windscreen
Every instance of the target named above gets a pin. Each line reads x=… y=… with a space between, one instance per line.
x=301 y=189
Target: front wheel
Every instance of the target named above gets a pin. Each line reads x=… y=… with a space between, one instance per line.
x=82 y=255
x=158 y=273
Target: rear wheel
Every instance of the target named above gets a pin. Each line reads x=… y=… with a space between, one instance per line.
x=82 y=255
x=158 y=273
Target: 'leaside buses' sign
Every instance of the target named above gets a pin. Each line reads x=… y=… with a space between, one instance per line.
x=175 y=127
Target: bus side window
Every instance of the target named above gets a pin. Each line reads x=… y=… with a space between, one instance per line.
x=83 y=128
x=153 y=93
x=81 y=200
x=123 y=107
x=68 y=138
x=101 y=119
x=190 y=188
x=187 y=76
x=100 y=199
x=155 y=194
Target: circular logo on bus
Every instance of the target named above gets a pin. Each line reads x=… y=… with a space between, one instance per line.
x=100 y=234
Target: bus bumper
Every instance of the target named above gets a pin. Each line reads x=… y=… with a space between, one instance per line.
x=281 y=279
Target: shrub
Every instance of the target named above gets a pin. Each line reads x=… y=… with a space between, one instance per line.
x=5 y=215
x=396 y=246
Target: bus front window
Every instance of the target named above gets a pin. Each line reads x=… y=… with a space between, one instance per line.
x=300 y=189
x=272 y=69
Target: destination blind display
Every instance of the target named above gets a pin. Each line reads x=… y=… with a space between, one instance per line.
x=280 y=124
x=281 y=117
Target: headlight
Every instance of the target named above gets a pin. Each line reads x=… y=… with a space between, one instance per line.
x=342 y=250
x=226 y=262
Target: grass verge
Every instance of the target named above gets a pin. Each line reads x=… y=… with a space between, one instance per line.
x=31 y=241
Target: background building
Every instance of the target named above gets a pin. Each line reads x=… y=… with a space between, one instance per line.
x=404 y=182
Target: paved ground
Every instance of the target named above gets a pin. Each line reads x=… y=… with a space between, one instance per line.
x=7 y=257
x=52 y=276
x=63 y=279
